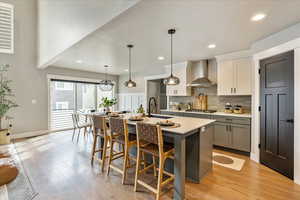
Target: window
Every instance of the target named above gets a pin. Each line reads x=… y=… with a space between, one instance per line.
x=69 y=97
x=62 y=105
x=59 y=85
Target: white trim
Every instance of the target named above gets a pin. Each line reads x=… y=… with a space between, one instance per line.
x=288 y=46
x=235 y=55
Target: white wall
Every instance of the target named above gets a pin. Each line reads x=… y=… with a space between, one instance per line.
x=30 y=83
x=64 y=23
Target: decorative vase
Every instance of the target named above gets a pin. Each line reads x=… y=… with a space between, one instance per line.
x=107 y=109
x=4 y=136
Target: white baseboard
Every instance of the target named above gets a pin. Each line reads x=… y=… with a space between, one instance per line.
x=29 y=134
x=254 y=157
x=36 y=133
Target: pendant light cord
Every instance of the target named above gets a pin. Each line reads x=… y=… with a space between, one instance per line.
x=129 y=63
x=171 y=54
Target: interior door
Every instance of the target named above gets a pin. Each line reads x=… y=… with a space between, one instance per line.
x=277 y=113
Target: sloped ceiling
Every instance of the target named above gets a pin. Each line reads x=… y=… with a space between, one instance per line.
x=63 y=23
x=198 y=22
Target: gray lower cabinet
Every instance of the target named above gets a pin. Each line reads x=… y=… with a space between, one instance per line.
x=241 y=137
x=234 y=136
x=221 y=135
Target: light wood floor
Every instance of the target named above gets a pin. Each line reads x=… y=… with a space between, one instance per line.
x=61 y=170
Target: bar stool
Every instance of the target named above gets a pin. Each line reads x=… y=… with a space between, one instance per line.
x=150 y=141
x=120 y=135
x=100 y=131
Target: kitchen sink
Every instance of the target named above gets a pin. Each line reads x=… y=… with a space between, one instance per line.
x=160 y=116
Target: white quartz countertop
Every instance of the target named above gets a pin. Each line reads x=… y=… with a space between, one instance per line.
x=186 y=124
x=246 y=115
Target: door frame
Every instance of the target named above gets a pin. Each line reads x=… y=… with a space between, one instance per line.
x=255 y=139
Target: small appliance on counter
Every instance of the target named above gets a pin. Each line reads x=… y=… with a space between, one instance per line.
x=237 y=109
x=228 y=108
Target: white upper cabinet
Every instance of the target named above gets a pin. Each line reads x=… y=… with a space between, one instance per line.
x=182 y=71
x=234 y=77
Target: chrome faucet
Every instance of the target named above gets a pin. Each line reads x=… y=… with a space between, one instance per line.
x=151 y=104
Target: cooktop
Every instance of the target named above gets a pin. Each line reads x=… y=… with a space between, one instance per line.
x=199 y=110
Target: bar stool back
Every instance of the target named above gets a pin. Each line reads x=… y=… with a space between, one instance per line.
x=150 y=141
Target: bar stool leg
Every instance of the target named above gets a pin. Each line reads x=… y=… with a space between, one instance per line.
x=104 y=151
x=154 y=167
x=125 y=166
x=94 y=149
x=160 y=176
x=137 y=169
x=110 y=156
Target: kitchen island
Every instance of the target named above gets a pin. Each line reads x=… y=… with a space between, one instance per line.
x=193 y=148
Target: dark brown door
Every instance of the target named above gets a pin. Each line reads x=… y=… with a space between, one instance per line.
x=277 y=113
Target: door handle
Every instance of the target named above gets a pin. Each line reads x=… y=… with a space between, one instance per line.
x=290 y=121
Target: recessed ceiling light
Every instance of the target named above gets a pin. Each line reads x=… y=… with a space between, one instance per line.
x=79 y=61
x=126 y=70
x=212 y=46
x=160 y=58
x=258 y=17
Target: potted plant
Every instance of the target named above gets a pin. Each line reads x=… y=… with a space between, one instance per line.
x=107 y=103
x=5 y=102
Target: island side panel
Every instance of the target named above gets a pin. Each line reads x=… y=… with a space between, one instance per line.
x=192 y=157
x=206 y=150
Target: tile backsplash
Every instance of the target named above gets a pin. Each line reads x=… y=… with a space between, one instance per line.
x=215 y=102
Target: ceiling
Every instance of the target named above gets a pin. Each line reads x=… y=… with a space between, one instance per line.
x=225 y=23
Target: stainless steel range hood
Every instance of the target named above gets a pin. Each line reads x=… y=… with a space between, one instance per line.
x=199 y=74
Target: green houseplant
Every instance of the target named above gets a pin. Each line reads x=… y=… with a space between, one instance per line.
x=108 y=103
x=5 y=101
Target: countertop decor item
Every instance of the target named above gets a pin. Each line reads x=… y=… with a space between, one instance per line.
x=130 y=83
x=106 y=85
x=108 y=103
x=171 y=80
x=237 y=109
x=228 y=108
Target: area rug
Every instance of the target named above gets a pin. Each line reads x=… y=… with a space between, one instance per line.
x=20 y=188
x=228 y=161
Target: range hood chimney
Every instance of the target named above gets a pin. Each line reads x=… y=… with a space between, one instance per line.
x=199 y=74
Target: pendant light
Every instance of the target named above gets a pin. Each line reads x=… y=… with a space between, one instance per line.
x=130 y=83
x=106 y=85
x=171 y=80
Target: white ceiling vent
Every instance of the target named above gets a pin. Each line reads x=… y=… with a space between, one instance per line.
x=6 y=28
